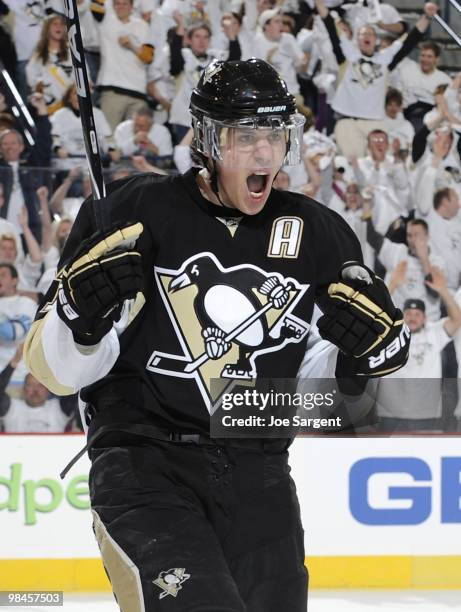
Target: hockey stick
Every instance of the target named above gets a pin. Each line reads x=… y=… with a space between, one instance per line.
x=447 y=29
x=86 y=113
x=456 y=5
x=190 y=366
x=19 y=108
x=445 y=25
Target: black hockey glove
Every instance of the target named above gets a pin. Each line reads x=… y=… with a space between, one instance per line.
x=94 y=284
x=362 y=321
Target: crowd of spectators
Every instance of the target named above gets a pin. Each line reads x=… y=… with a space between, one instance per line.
x=381 y=148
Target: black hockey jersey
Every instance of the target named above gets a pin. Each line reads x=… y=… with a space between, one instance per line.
x=208 y=272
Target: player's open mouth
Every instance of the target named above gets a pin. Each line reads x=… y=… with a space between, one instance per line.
x=257 y=183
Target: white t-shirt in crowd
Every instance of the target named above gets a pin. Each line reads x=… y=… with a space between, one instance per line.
x=48 y=418
x=399 y=128
x=28 y=18
x=359 y=15
x=158 y=72
x=88 y=26
x=446 y=241
x=354 y=219
x=193 y=68
x=158 y=135
x=322 y=61
x=404 y=394
x=120 y=67
x=66 y=129
x=390 y=255
x=56 y=76
x=283 y=55
x=418 y=86
x=391 y=190
x=362 y=90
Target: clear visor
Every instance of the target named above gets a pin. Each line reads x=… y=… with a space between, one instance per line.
x=265 y=143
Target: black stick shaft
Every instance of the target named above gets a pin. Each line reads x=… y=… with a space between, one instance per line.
x=86 y=112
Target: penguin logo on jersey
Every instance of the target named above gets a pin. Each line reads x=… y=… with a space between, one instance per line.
x=224 y=319
x=171 y=581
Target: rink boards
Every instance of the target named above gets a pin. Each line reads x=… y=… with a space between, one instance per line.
x=381 y=513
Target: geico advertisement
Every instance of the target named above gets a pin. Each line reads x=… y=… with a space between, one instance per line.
x=371 y=496
x=358 y=496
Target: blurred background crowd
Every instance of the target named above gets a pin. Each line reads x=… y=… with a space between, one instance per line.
x=379 y=87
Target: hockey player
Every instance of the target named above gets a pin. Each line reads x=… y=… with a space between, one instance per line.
x=220 y=284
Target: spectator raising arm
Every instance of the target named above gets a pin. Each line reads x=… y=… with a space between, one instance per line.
x=398 y=276
x=33 y=248
x=176 y=45
x=425 y=185
x=438 y=284
x=61 y=192
x=47 y=228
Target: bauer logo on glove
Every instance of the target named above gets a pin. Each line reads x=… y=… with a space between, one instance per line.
x=362 y=321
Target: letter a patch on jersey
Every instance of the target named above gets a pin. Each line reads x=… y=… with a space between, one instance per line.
x=285 y=237
x=224 y=318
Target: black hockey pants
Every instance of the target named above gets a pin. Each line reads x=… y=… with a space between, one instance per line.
x=198 y=528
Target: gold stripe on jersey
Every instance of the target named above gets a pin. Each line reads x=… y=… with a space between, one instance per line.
x=35 y=360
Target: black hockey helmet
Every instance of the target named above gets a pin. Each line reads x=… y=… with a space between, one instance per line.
x=243 y=94
x=241 y=89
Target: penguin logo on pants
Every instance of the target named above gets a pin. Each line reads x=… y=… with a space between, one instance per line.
x=171 y=581
x=224 y=318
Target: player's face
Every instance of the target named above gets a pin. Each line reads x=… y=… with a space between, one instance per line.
x=251 y=160
x=199 y=41
x=415 y=319
x=7 y=283
x=427 y=60
x=11 y=147
x=35 y=394
x=367 y=40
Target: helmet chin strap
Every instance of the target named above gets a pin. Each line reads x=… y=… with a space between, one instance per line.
x=214 y=183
